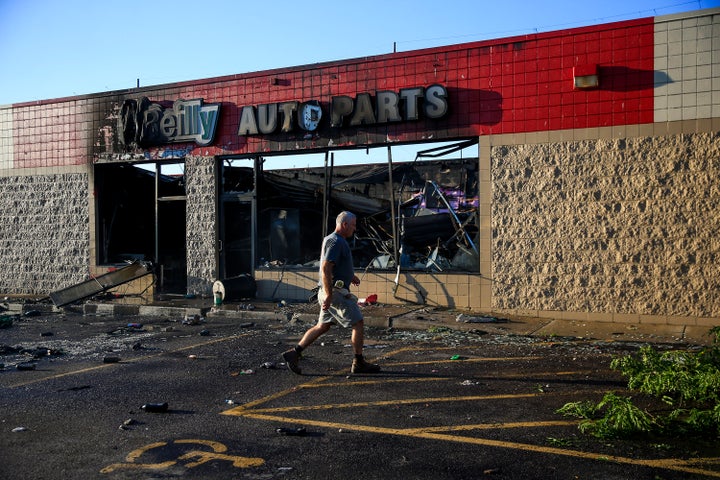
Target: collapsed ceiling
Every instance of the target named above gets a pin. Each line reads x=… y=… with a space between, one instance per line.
x=434 y=204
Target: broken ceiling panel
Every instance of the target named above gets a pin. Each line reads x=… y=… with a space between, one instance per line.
x=436 y=210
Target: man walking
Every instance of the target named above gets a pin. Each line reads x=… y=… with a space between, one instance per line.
x=337 y=304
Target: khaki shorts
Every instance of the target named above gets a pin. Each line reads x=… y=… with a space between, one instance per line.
x=343 y=308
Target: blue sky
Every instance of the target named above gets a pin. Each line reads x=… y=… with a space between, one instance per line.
x=51 y=49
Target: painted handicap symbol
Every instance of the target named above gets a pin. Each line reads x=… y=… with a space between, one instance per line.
x=194 y=457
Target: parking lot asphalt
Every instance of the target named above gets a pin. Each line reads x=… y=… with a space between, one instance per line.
x=477 y=400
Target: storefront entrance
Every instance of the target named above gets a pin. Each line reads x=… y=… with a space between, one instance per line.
x=141 y=216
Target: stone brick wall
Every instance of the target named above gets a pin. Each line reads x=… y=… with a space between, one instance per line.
x=201 y=224
x=608 y=225
x=44 y=238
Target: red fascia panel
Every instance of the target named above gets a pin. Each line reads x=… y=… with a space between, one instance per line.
x=518 y=84
x=585 y=70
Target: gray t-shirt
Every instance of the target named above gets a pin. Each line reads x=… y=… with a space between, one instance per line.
x=336 y=249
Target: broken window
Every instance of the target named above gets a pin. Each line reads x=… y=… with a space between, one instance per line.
x=433 y=199
x=288 y=219
x=141 y=216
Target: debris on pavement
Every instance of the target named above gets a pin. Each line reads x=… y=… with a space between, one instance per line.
x=462 y=318
x=127 y=423
x=369 y=300
x=6 y=321
x=101 y=283
x=124 y=329
x=193 y=320
x=296 y=432
x=468 y=383
x=155 y=407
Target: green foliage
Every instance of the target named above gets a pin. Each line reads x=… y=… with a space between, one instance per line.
x=560 y=442
x=689 y=383
x=585 y=409
x=622 y=417
x=613 y=416
x=676 y=377
x=715 y=331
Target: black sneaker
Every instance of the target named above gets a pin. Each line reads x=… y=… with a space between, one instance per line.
x=292 y=358
x=361 y=366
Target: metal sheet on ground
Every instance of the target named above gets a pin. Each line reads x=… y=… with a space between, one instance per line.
x=99 y=284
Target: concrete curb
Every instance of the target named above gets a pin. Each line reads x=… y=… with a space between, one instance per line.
x=376 y=321
x=247 y=315
x=139 y=310
x=26 y=308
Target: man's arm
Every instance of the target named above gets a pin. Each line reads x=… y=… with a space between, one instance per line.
x=327 y=276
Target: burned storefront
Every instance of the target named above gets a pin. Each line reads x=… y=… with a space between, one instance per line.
x=141 y=217
x=274 y=219
x=571 y=172
x=429 y=206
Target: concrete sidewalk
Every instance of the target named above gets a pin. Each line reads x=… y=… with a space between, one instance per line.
x=549 y=327
x=412 y=317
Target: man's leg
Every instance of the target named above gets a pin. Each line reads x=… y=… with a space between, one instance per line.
x=292 y=356
x=313 y=334
x=358 y=337
x=359 y=365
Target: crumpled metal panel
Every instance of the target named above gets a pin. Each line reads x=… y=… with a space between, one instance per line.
x=99 y=284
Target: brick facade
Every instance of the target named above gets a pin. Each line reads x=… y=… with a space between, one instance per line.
x=625 y=225
x=44 y=236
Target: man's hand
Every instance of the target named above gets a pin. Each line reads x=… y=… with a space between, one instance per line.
x=355 y=280
x=326 y=303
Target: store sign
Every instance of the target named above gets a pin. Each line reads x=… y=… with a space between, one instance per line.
x=147 y=124
x=386 y=106
x=142 y=123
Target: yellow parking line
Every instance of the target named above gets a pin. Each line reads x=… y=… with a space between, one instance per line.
x=274 y=396
x=242 y=410
x=468 y=360
x=321 y=382
x=445 y=433
x=317 y=382
x=493 y=426
x=543 y=374
x=383 y=380
x=130 y=360
x=667 y=464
